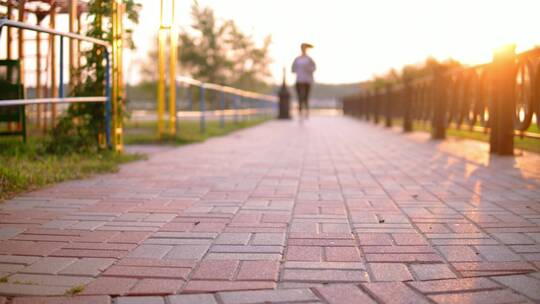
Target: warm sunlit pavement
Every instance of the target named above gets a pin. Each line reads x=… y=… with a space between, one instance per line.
x=331 y=211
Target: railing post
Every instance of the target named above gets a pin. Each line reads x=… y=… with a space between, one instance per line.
x=438 y=120
x=367 y=105
x=61 y=68
x=235 y=107
x=407 y=105
x=222 y=106
x=502 y=126
x=189 y=96
x=202 y=106
x=388 y=106
x=108 y=106
x=376 y=105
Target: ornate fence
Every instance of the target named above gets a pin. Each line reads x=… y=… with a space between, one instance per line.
x=500 y=97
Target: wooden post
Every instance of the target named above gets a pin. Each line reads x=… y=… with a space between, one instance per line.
x=407 y=104
x=388 y=104
x=502 y=126
x=376 y=105
x=438 y=120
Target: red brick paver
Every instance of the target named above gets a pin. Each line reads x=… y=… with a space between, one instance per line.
x=332 y=210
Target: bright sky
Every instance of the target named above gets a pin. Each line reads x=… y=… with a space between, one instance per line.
x=355 y=39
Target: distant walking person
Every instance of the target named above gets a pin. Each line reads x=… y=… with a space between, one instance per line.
x=303 y=66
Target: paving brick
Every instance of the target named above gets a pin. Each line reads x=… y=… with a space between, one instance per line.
x=150 y=251
x=187 y=252
x=246 y=249
x=192 y=299
x=522 y=284
x=9 y=232
x=342 y=254
x=207 y=270
x=344 y=293
x=227 y=238
x=390 y=272
x=324 y=275
x=480 y=297
x=268 y=296
x=139 y=300
x=258 y=270
x=129 y=237
x=243 y=256
x=454 y=285
x=144 y=262
x=196 y=286
x=403 y=257
x=146 y=272
x=513 y=238
x=321 y=242
x=432 y=271
x=409 y=239
x=63 y=300
x=471 y=269
x=394 y=292
x=8 y=289
x=497 y=253
x=459 y=254
x=300 y=253
x=324 y=265
x=156 y=287
x=100 y=246
x=268 y=239
x=49 y=265
x=48 y=280
x=87 y=266
x=13 y=259
x=109 y=286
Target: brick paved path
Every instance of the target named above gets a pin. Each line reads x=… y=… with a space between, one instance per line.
x=331 y=211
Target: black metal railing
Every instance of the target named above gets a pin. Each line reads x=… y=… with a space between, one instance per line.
x=500 y=98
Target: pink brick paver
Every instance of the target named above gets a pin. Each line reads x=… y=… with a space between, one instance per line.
x=333 y=210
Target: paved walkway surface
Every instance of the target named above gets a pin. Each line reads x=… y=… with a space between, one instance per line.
x=330 y=211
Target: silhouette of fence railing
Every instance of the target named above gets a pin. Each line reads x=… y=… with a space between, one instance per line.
x=500 y=98
x=208 y=100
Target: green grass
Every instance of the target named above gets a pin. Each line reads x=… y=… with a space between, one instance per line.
x=28 y=166
x=527 y=144
x=188 y=132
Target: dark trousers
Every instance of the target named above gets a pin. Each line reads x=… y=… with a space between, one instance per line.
x=302 y=91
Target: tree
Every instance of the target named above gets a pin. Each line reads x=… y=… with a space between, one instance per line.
x=219 y=52
x=410 y=72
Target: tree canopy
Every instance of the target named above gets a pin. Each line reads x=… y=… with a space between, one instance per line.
x=219 y=52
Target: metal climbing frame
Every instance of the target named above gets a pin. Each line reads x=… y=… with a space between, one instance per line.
x=113 y=96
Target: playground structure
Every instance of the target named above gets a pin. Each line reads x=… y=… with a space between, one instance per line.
x=39 y=89
x=48 y=86
x=499 y=98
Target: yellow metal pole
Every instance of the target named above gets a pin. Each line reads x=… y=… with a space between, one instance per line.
x=9 y=30
x=117 y=80
x=39 y=89
x=161 y=73
x=20 y=46
x=72 y=44
x=173 y=37
x=52 y=41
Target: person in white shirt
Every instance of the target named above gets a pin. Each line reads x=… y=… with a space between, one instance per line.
x=303 y=66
